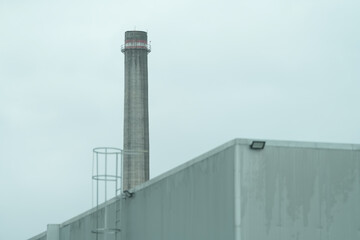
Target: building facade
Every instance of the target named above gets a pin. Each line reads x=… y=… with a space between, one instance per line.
x=285 y=190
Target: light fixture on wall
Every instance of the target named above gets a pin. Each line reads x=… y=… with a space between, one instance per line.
x=127 y=194
x=257 y=145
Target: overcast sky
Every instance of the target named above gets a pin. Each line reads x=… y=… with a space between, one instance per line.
x=218 y=70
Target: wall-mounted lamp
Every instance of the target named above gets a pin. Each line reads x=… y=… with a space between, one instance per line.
x=257 y=145
x=127 y=194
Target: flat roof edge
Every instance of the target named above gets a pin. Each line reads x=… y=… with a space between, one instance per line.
x=248 y=141
x=153 y=180
x=186 y=164
x=38 y=236
x=301 y=144
x=90 y=211
x=237 y=141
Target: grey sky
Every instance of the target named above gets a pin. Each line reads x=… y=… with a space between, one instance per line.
x=270 y=69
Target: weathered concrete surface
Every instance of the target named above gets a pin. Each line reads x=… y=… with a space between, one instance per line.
x=41 y=236
x=136 y=119
x=303 y=191
x=53 y=232
x=289 y=190
x=194 y=203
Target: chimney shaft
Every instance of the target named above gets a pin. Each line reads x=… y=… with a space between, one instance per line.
x=136 y=117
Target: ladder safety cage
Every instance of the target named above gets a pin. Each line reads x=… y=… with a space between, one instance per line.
x=106 y=184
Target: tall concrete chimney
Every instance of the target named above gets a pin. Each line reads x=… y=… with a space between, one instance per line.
x=136 y=117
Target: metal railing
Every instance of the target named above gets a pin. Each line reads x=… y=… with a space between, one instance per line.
x=107 y=171
x=106 y=174
x=136 y=45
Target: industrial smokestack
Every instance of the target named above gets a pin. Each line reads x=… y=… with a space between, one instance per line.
x=136 y=117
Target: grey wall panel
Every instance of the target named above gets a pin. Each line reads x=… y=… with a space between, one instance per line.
x=81 y=228
x=65 y=232
x=289 y=190
x=300 y=193
x=41 y=236
x=195 y=203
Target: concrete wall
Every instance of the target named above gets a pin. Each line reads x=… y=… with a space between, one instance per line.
x=288 y=190
x=193 y=201
x=299 y=191
x=80 y=227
